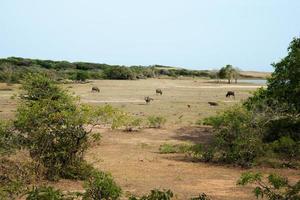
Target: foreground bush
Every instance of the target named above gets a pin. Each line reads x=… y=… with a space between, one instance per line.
x=100 y=185
x=156 y=195
x=156 y=121
x=45 y=193
x=275 y=188
x=237 y=136
x=51 y=125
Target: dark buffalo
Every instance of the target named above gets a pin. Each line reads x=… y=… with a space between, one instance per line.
x=211 y=103
x=230 y=93
x=159 y=91
x=95 y=89
x=148 y=99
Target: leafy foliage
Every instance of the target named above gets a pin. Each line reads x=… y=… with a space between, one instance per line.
x=101 y=185
x=287 y=148
x=237 y=136
x=284 y=84
x=174 y=148
x=228 y=72
x=44 y=193
x=155 y=195
x=276 y=187
x=156 y=121
x=13 y=69
x=51 y=124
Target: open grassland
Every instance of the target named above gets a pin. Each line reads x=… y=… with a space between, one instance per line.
x=133 y=158
x=173 y=104
x=129 y=95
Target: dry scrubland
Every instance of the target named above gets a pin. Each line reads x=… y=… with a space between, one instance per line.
x=133 y=158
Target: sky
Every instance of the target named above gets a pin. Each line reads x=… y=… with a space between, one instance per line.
x=195 y=34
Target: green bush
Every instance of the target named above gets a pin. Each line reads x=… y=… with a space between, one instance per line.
x=237 y=137
x=174 y=148
x=121 y=73
x=155 y=195
x=52 y=125
x=78 y=171
x=44 y=193
x=82 y=76
x=131 y=123
x=287 y=148
x=101 y=185
x=276 y=187
x=156 y=121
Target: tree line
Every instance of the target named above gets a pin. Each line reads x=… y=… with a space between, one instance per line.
x=13 y=69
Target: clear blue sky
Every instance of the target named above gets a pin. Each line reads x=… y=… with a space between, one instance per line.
x=195 y=34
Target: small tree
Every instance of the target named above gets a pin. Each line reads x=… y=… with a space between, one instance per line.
x=52 y=125
x=229 y=73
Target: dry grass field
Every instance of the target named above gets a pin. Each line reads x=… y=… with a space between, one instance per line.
x=133 y=158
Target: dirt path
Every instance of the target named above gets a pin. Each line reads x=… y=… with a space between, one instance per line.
x=134 y=161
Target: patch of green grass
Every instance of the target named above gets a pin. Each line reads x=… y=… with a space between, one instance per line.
x=174 y=148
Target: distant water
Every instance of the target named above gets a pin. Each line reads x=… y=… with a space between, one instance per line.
x=255 y=81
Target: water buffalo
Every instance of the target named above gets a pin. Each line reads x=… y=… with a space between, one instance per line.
x=95 y=89
x=213 y=103
x=148 y=99
x=159 y=91
x=230 y=93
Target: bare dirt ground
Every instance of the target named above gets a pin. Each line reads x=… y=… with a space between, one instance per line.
x=133 y=158
x=135 y=162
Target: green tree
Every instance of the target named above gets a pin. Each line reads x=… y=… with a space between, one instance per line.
x=52 y=125
x=284 y=84
x=82 y=76
x=229 y=73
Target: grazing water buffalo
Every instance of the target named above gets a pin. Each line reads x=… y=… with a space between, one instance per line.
x=213 y=103
x=148 y=99
x=159 y=91
x=95 y=89
x=230 y=93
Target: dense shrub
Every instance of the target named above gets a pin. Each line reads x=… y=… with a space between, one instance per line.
x=276 y=187
x=13 y=69
x=155 y=195
x=45 y=193
x=51 y=124
x=82 y=76
x=119 y=73
x=287 y=148
x=156 y=121
x=100 y=185
x=237 y=136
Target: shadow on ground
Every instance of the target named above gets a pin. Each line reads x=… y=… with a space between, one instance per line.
x=197 y=135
